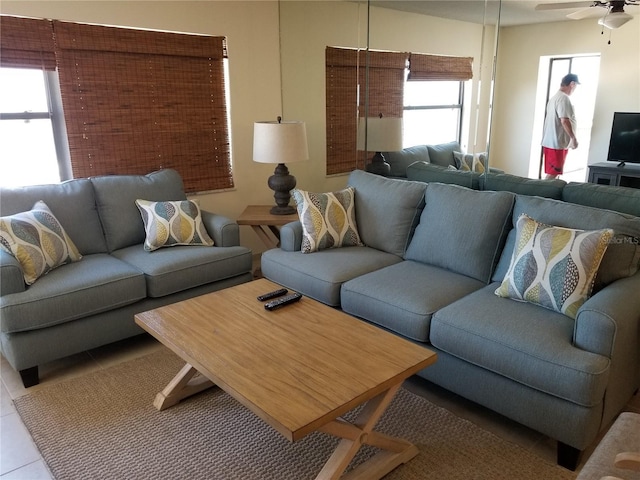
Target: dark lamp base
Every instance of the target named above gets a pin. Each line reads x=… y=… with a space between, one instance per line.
x=378 y=165
x=282 y=183
x=288 y=210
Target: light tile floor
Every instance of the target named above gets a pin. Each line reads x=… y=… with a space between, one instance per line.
x=20 y=459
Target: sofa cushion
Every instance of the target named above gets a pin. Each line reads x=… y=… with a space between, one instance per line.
x=167 y=224
x=620 y=199
x=622 y=258
x=328 y=219
x=399 y=161
x=550 y=188
x=73 y=291
x=390 y=298
x=428 y=173
x=171 y=270
x=486 y=330
x=554 y=267
x=37 y=240
x=116 y=196
x=442 y=154
x=72 y=201
x=462 y=230
x=470 y=162
x=321 y=275
x=387 y=210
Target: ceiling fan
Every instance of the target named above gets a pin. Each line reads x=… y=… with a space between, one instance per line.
x=612 y=12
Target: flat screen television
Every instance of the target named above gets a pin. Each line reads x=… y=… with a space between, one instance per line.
x=624 y=145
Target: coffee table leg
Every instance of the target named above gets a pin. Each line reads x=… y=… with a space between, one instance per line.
x=394 y=451
x=182 y=386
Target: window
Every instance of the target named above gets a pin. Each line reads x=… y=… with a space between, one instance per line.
x=432 y=112
x=134 y=101
x=27 y=143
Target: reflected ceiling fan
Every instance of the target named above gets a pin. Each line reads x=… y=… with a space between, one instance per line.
x=612 y=12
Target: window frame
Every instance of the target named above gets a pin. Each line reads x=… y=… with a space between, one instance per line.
x=458 y=106
x=54 y=114
x=190 y=130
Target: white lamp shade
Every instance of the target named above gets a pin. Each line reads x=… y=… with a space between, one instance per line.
x=615 y=20
x=283 y=142
x=384 y=134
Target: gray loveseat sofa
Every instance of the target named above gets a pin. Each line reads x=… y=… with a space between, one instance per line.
x=91 y=302
x=434 y=255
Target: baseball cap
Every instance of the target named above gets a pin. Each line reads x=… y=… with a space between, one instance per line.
x=571 y=77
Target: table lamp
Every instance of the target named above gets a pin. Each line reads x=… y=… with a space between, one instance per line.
x=381 y=134
x=280 y=142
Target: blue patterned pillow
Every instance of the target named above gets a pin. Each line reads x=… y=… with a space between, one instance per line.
x=554 y=267
x=167 y=224
x=37 y=240
x=328 y=219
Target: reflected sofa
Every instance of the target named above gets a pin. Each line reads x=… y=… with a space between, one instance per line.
x=432 y=258
x=91 y=302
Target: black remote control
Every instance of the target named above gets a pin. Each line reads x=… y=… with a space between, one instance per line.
x=282 y=301
x=274 y=294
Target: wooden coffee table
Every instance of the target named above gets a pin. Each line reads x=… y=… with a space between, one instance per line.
x=299 y=368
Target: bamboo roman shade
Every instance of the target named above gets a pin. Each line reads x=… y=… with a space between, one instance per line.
x=26 y=43
x=440 y=67
x=137 y=101
x=346 y=75
x=342 y=108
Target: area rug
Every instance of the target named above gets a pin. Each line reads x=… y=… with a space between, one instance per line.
x=103 y=426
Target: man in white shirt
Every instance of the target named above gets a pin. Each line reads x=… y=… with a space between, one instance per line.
x=559 y=127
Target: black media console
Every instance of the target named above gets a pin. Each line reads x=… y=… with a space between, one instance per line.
x=610 y=173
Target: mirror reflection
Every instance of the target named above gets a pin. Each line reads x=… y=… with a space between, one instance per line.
x=516 y=51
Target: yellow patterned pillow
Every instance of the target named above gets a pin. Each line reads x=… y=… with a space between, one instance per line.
x=37 y=240
x=469 y=162
x=554 y=267
x=167 y=224
x=328 y=219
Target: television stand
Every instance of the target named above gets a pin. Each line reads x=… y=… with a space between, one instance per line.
x=619 y=175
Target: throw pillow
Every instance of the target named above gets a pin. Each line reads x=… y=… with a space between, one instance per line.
x=469 y=162
x=328 y=219
x=37 y=240
x=554 y=267
x=167 y=224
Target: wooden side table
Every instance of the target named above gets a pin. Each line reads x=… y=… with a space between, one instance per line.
x=262 y=222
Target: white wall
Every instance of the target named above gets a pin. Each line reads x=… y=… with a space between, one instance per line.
x=519 y=52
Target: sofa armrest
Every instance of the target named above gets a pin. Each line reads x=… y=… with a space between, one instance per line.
x=610 y=318
x=224 y=231
x=11 y=277
x=291 y=237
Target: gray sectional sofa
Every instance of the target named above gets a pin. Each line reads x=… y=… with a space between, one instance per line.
x=445 y=156
x=91 y=302
x=433 y=256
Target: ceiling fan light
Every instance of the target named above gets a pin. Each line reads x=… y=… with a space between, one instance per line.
x=615 y=20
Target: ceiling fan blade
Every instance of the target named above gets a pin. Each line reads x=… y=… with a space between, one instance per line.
x=587 y=12
x=561 y=6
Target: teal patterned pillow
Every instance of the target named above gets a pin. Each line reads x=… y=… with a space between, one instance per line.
x=37 y=240
x=554 y=267
x=167 y=224
x=328 y=219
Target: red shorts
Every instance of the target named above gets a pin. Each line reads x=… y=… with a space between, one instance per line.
x=554 y=160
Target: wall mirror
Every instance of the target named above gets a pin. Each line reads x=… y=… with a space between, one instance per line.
x=307 y=28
